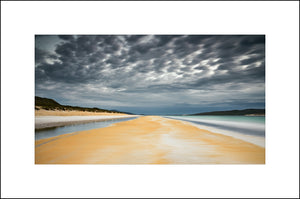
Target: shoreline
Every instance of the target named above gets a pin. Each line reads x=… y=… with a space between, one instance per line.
x=147 y=140
x=257 y=140
x=45 y=122
x=254 y=139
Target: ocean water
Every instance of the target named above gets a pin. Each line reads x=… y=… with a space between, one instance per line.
x=248 y=125
x=51 y=132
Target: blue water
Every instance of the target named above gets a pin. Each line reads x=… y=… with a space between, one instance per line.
x=249 y=125
x=51 y=132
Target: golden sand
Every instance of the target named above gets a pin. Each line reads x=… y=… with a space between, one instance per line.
x=147 y=140
x=43 y=112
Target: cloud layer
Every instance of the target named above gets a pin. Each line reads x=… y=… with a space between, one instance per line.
x=153 y=73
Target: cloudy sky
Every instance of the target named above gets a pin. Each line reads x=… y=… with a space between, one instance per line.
x=152 y=74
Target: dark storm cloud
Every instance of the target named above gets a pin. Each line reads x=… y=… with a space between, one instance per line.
x=41 y=56
x=124 y=67
x=66 y=37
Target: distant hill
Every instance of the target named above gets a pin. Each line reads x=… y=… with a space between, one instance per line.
x=235 y=112
x=50 y=104
x=39 y=101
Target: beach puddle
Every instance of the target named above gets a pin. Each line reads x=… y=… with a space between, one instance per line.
x=55 y=131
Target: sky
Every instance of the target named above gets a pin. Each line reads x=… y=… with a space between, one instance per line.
x=152 y=74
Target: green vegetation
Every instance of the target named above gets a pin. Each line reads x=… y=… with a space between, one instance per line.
x=235 y=112
x=45 y=102
x=50 y=104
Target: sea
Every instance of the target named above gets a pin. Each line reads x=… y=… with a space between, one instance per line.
x=247 y=128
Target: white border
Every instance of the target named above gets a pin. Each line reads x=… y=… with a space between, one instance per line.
x=278 y=20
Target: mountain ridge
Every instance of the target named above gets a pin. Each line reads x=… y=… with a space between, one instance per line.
x=247 y=112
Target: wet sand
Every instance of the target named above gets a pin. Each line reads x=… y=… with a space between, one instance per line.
x=147 y=140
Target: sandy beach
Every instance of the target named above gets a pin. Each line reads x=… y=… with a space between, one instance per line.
x=43 y=112
x=147 y=140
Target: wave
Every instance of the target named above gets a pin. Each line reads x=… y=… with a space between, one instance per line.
x=248 y=128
